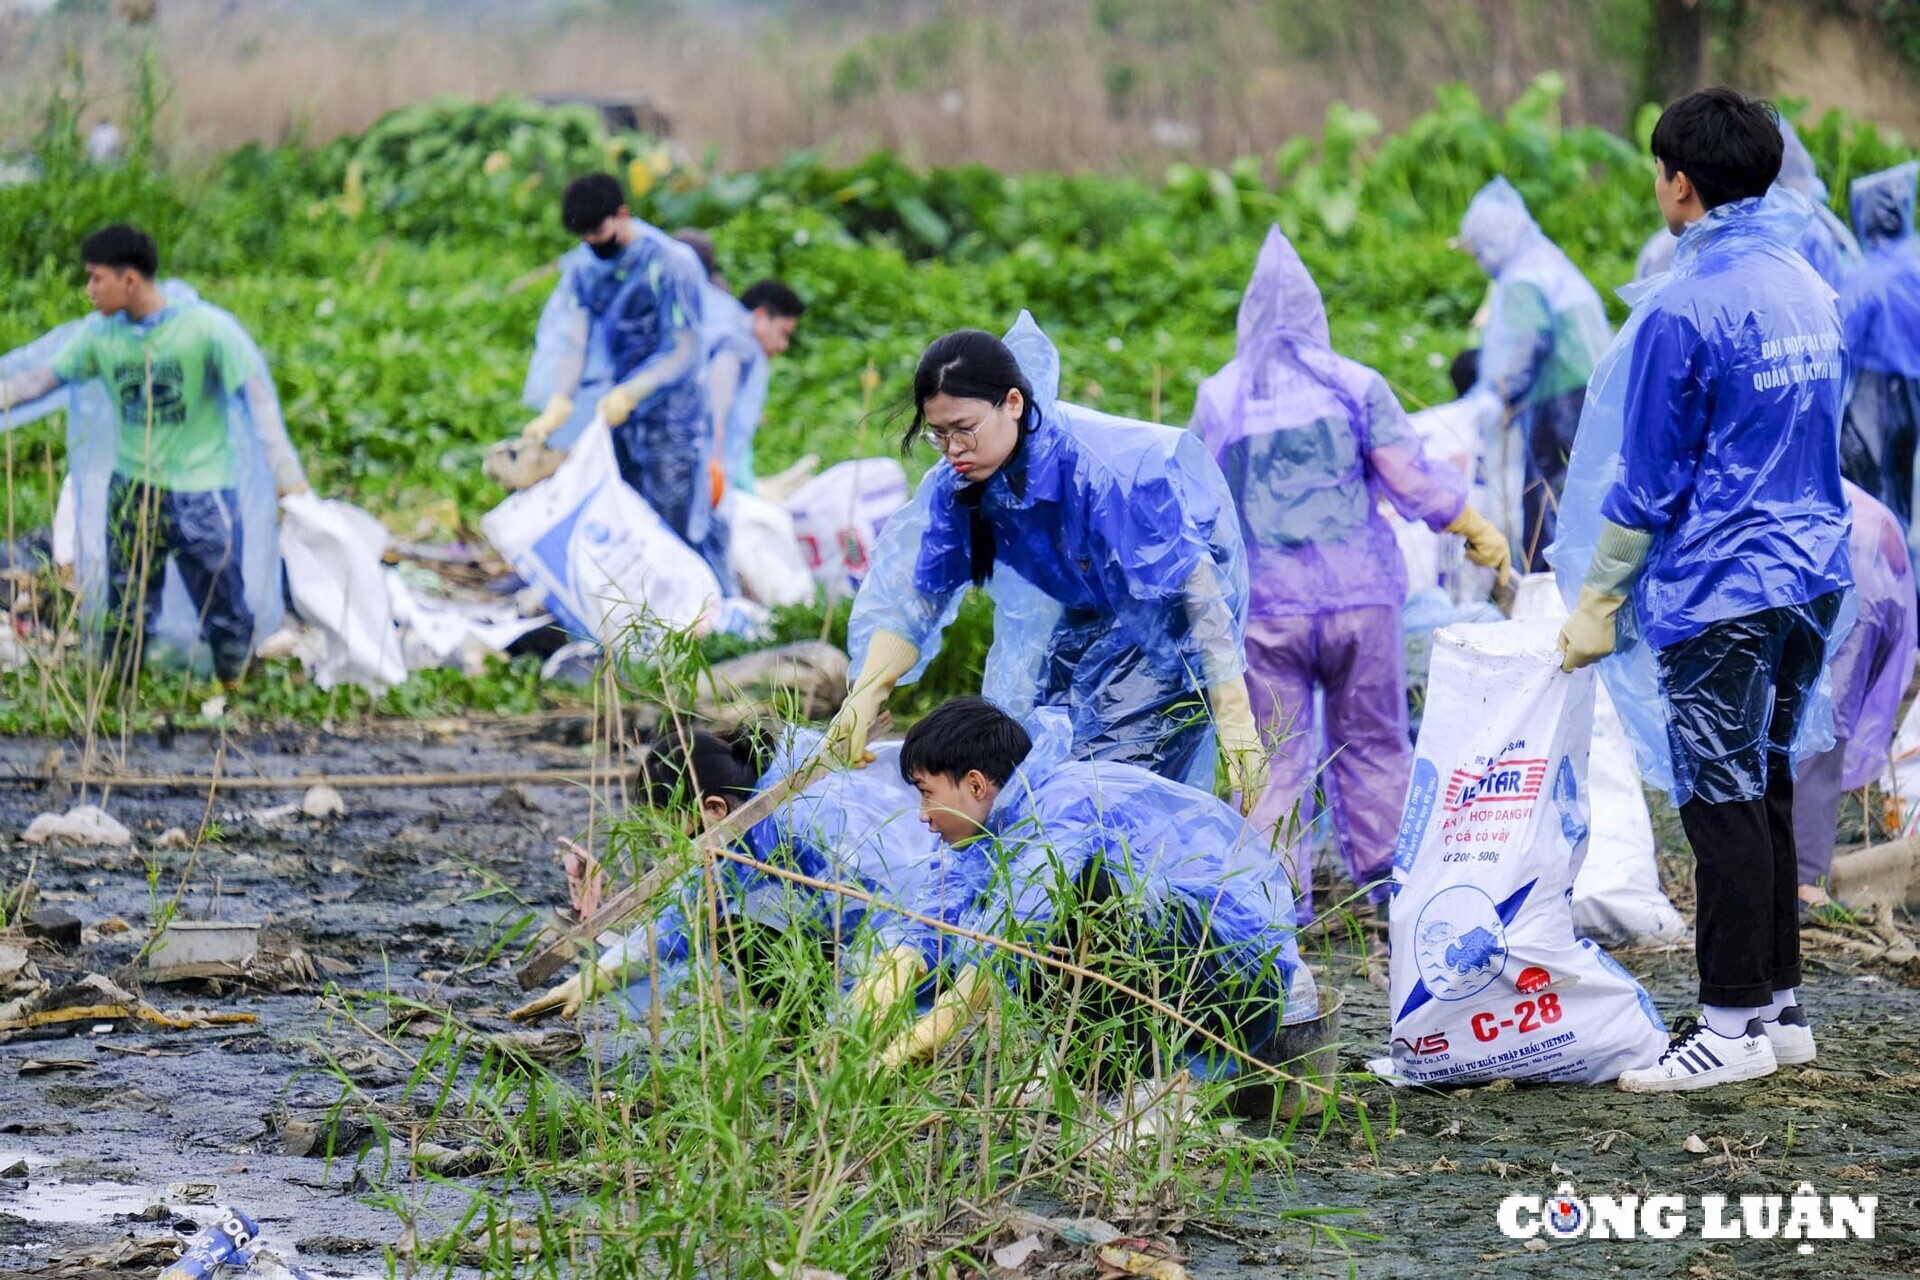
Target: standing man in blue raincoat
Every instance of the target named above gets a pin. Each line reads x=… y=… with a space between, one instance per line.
x=1545 y=328
x=620 y=340
x=1880 y=309
x=1711 y=441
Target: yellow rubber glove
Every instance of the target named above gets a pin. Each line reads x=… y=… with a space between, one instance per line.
x=1589 y=632
x=889 y=657
x=567 y=998
x=617 y=405
x=1241 y=749
x=951 y=1011
x=1486 y=545
x=551 y=419
x=887 y=979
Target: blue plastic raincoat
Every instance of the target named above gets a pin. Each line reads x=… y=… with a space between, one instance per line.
x=1880 y=310
x=197 y=524
x=1713 y=423
x=1545 y=329
x=1119 y=580
x=727 y=326
x=1213 y=901
x=858 y=828
x=605 y=322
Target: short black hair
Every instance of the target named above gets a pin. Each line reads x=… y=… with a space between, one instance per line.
x=1464 y=371
x=775 y=298
x=589 y=201
x=123 y=248
x=683 y=766
x=962 y=735
x=1728 y=144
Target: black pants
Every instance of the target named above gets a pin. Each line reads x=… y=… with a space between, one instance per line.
x=1736 y=692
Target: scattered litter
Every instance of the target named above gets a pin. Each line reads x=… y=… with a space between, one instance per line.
x=46 y=1066
x=213 y=708
x=332 y=551
x=218 y=1242
x=449 y=1162
x=323 y=801
x=21 y=986
x=16 y=1170
x=335 y=1135
x=120 y=1255
x=95 y=999
x=516 y=1240
x=781 y=1269
x=188 y=949
x=265 y=1264
x=1695 y=1144
x=339 y=1245
x=173 y=838
x=56 y=925
x=192 y=1192
x=1012 y=1256
x=537 y=1046
x=87 y=825
x=1152 y=1258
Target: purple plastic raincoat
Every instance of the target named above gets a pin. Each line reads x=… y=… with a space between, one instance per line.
x=1871 y=671
x=1310 y=443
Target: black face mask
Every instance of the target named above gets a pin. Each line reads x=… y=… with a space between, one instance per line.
x=607 y=249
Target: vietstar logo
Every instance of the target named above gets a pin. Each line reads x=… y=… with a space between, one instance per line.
x=1502 y=782
x=1805 y=1216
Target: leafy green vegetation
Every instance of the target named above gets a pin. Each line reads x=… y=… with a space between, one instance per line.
x=394 y=278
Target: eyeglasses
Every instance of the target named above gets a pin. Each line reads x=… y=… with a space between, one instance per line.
x=943 y=439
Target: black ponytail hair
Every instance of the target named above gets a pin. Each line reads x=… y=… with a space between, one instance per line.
x=967 y=364
x=970 y=364
x=683 y=767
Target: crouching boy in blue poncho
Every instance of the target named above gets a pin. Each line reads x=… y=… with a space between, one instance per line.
x=1149 y=882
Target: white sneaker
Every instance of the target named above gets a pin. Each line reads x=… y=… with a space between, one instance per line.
x=1790 y=1036
x=1702 y=1058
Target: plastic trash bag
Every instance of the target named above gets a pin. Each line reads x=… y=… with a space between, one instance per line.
x=609 y=565
x=838 y=515
x=1486 y=977
x=1617 y=899
x=767 y=558
x=338 y=585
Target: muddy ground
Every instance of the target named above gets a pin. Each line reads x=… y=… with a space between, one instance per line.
x=406 y=892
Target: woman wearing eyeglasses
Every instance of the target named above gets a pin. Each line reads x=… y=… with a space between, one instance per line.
x=1111 y=550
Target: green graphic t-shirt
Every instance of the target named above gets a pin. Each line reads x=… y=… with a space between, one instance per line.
x=170 y=377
